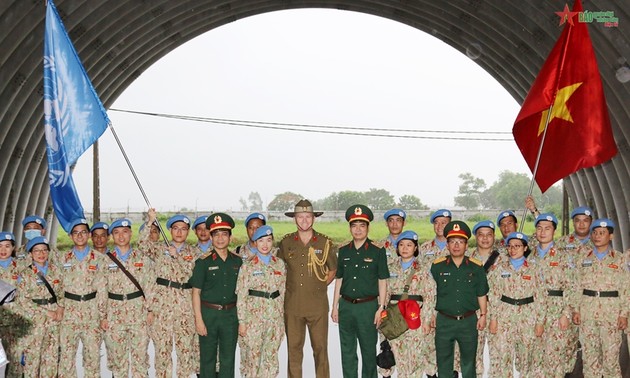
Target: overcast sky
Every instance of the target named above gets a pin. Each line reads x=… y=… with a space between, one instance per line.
x=322 y=67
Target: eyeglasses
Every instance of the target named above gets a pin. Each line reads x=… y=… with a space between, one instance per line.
x=456 y=241
x=39 y=250
x=515 y=246
x=77 y=233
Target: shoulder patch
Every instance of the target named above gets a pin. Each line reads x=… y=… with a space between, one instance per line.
x=439 y=260
x=475 y=261
x=205 y=255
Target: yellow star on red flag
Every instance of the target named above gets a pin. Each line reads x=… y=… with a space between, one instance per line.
x=559 y=109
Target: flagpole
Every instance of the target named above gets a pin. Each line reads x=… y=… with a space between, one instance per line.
x=542 y=141
x=133 y=172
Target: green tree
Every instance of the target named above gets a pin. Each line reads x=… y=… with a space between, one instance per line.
x=379 y=199
x=470 y=191
x=411 y=202
x=510 y=190
x=347 y=198
x=284 y=201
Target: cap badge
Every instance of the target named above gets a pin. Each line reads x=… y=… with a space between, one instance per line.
x=8 y=237
x=186 y=220
x=358 y=211
x=587 y=213
x=456 y=227
x=603 y=224
x=217 y=219
x=268 y=232
x=125 y=224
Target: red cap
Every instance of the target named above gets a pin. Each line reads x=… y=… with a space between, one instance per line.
x=410 y=310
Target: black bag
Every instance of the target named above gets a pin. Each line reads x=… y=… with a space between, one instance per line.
x=385 y=359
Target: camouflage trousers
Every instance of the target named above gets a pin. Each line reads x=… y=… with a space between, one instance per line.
x=555 y=350
x=121 y=340
x=513 y=343
x=414 y=353
x=41 y=350
x=179 y=331
x=90 y=335
x=601 y=341
x=259 y=348
x=12 y=336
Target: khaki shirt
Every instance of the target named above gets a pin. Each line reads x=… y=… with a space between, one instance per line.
x=307 y=286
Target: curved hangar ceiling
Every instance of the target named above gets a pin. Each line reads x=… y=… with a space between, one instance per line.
x=119 y=39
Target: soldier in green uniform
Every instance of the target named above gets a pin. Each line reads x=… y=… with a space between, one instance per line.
x=462 y=289
x=214 y=299
x=360 y=294
x=311 y=261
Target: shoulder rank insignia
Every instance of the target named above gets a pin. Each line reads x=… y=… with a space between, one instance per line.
x=439 y=260
x=205 y=255
x=475 y=261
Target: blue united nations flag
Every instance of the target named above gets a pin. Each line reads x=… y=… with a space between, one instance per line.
x=74 y=117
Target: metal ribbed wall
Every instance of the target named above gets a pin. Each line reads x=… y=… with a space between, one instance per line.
x=119 y=39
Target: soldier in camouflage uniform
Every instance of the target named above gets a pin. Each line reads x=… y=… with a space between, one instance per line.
x=490 y=257
x=129 y=309
x=173 y=322
x=409 y=362
x=556 y=349
x=204 y=242
x=260 y=306
x=40 y=346
x=100 y=236
x=580 y=237
x=12 y=325
x=432 y=249
x=517 y=314
x=601 y=302
x=83 y=302
x=395 y=220
x=507 y=223
x=33 y=227
x=252 y=223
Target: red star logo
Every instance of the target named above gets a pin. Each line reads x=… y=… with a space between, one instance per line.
x=566 y=15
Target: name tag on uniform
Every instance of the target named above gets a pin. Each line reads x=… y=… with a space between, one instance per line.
x=430 y=253
x=586 y=263
x=67 y=265
x=445 y=273
x=39 y=282
x=346 y=259
x=506 y=274
x=368 y=260
x=393 y=275
x=112 y=266
x=257 y=273
x=213 y=267
x=571 y=246
x=388 y=253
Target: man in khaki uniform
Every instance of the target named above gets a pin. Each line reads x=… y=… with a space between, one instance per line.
x=311 y=260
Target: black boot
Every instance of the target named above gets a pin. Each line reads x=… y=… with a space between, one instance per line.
x=455 y=374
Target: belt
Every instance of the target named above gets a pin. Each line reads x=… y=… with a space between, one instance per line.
x=264 y=294
x=397 y=297
x=459 y=317
x=45 y=301
x=517 y=302
x=555 y=293
x=80 y=298
x=123 y=297
x=218 y=306
x=603 y=294
x=359 y=300
x=173 y=284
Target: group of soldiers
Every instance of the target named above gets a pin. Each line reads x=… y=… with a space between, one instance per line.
x=528 y=299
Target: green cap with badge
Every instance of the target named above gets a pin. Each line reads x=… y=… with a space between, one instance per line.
x=219 y=221
x=457 y=229
x=359 y=212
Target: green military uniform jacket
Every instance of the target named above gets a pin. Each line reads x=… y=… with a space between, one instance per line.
x=458 y=287
x=307 y=286
x=216 y=278
x=361 y=269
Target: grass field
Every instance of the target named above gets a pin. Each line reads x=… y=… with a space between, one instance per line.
x=337 y=230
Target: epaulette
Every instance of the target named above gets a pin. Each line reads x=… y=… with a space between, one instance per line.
x=475 y=261
x=205 y=255
x=288 y=235
x=439 y=260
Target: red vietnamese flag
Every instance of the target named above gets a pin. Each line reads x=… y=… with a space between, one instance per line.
x=579 y=133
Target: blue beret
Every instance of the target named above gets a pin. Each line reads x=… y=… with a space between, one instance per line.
x=7 y=236
x=517 y=235
x=122 y=222
x=505 y=214
x=99 y=226
x=483 y=224
x=441 y=213
x=34 y=218
x=407 y=235
x=261 y=232
x=35 y=241
x=177 y=218
x=77 y=222
x=582 y=210
x=546 y=217
x=255 y=216
x=200 y=220
x=604 y=222
x=400 y=212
